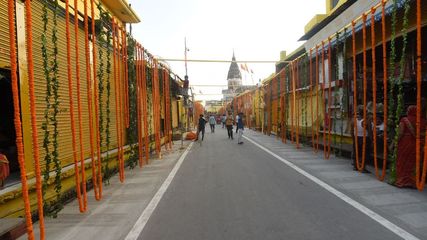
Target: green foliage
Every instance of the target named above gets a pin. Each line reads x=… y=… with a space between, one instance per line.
x=397 y=82
x=132 y=131
x=50 y=64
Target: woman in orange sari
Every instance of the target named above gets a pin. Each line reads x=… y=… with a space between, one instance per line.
x=406 y=153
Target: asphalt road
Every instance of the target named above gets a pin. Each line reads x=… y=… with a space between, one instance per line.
x=228 y=191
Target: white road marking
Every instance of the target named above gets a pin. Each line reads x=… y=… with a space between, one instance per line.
x=146 y=214
x=381 y=220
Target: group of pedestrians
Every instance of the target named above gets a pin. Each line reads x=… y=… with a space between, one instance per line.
x=227 y=121
x=406 y=143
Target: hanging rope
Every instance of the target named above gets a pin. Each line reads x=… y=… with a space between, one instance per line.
x=420 y=177
x=71 y=100
x=17 y=113
x=98 y=163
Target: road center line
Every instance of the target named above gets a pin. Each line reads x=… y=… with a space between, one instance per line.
x=148 y=211
x=381 y=220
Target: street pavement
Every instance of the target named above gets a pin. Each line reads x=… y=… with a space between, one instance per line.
x=228 y=191
x=262 y=189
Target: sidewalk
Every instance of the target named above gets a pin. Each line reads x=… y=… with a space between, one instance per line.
x=404 y=207
x=114 y=216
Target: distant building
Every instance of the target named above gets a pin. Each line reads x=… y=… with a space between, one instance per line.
x=234 y=80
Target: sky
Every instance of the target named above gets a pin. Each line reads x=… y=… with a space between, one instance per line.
x=255 y=30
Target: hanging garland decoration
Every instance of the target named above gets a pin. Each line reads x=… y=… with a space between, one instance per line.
x=55 y=88
x=89 y=97
x=365 y=86
x=104 y=39
x=278 y=105
x=356 y=145
x=71 y=101
x=52 y=109
x=168 y=122
x=46 y=123
x=79 y=105
x=391 y=97
x=336 y=96
x=283 y=104
x=156 y=107
x=311 y=97
x=138 y=104
x=328 y=154
x=398 y=82
x=96 y=165
x=317 y=99
x=420 y=179
x=100 y=36
x=144 y=89
x=297 y=108
x=344 y=106
x=132 y=130
x=116 y=74
x=385 y=91
x=292 y=81
x=374 y=89
x=18 y=123
x=306 y=92
x=324 y=101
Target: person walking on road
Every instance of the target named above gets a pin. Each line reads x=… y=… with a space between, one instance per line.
x=223 y=118
x=237 y=120
x=212 y=123
x=240 y=128
x=229 y=124
x=201 y=127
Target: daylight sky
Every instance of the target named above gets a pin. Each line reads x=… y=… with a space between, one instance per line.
x=256 y=30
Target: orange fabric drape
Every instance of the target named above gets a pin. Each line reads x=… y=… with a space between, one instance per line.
x=98 y=162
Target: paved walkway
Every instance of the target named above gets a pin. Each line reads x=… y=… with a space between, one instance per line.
x=263 y=189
